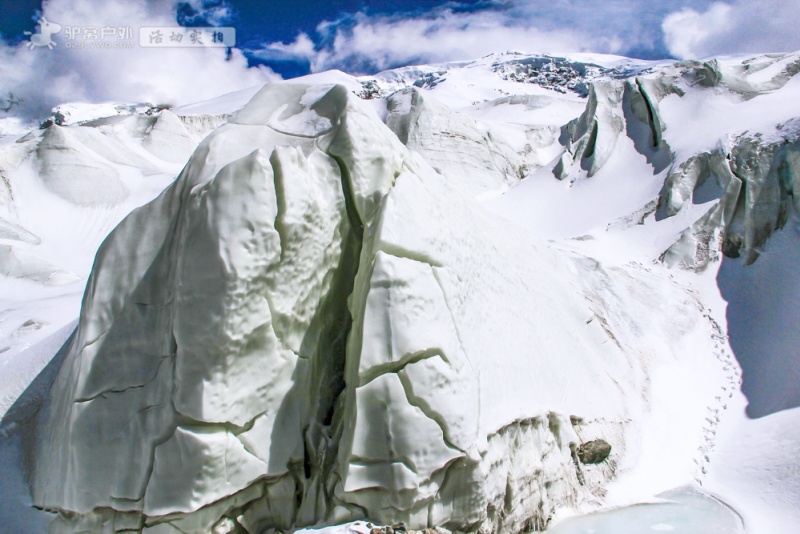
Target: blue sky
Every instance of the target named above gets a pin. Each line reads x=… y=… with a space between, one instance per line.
x=282 y=39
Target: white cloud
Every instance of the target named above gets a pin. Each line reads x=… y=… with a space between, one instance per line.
x=44 y=78
x=744 y=26
x=448 y=36
x=686 y=30
x=302 y=49
x=366 y=42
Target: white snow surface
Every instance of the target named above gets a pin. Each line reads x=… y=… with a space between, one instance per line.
x=486 y=310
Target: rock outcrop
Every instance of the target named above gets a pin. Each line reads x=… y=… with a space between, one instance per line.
x=594 y=452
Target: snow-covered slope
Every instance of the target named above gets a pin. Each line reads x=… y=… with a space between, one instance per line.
x=411 y=297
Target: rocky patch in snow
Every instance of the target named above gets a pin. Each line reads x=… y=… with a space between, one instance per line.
x=557 y=73
x=371 y=89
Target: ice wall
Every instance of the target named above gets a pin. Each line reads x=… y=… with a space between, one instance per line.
x=312 y=325
x=756 y=181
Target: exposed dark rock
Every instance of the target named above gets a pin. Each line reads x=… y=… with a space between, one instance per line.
x=594 y=452
x=370 y=90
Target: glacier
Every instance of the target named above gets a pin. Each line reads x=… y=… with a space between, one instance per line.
x=408 y=298
x=290 y=241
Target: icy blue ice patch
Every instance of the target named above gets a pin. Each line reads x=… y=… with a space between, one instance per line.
x=684 y=511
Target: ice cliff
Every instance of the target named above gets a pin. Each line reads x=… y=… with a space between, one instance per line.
x=756 y=180
x=311 y=324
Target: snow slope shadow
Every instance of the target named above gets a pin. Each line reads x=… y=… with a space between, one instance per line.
x=763 y=316
x=16 y=444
